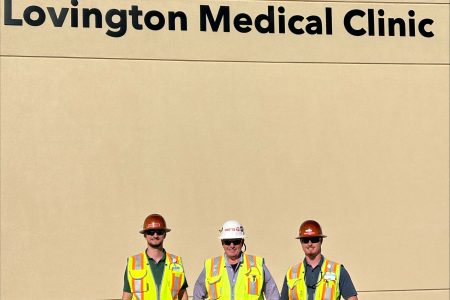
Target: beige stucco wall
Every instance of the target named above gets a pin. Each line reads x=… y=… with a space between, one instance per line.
x=97 y=132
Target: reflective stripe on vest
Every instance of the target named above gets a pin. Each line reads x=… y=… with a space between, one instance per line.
x=176 y=280
x=252 y=281
x=294 y=273
x=327 y=288
x=137 y=285
x=214 y=272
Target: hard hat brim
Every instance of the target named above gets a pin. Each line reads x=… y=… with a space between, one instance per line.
x=306 y=236
x=231 y=238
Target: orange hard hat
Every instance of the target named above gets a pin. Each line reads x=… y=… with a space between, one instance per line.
x=310 y=228
x=154 y=221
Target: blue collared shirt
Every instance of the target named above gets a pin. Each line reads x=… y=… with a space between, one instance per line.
x=312 y=277
x=269 y=288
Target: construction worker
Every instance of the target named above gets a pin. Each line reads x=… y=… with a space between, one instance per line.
x=154 y=273
x=316 y=278
x=235 y=275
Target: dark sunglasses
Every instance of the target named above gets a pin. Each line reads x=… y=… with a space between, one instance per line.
x=313 y=240
x=153 y=231
x=234 y=242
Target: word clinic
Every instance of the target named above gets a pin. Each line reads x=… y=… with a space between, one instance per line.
x=273 y=20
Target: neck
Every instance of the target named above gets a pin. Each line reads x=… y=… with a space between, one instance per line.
x=155 y=253
x=234 y=260
x=313 y=261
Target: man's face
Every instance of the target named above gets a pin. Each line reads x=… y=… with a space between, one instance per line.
x=312 y=246
x=232 y=247
x=155 y=237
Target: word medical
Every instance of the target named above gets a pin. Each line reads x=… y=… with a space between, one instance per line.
x=273 y=20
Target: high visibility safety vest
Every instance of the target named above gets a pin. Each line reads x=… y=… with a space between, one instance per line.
x=249 y=281
x=142 y=283
x=328 y=282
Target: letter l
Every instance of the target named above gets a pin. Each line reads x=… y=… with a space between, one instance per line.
x=8 y=12
x=329 y=21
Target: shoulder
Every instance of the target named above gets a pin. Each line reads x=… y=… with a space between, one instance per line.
x=335 y=267
x=296 y=266
x=293 y=271
x=255 y=259
x=170 y=254
x=331 y=264
x=344 y=272
x=173 y=258
x=330 y=261
x=251 y=256
x=215 y=258
x=137 y=261
x=140 y=255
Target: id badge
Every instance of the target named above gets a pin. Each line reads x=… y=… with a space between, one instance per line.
x=329 y=276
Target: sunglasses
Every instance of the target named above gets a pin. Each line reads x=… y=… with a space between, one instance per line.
x=234 y=242
x=313 y=240
x=153 y=231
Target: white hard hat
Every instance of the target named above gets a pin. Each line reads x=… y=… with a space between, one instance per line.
x=231 y=229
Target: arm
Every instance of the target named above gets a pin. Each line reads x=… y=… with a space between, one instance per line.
x=270 y=287
x=199 y=287
x=182 y=295
x=346 y=286
x=127 y=296
x=284 y=290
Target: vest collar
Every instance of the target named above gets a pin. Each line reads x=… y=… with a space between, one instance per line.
x=322 y=258
x=163 y=258
x=241 y=259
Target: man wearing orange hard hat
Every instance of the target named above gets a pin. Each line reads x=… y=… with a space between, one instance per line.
x=154 y=273
x=316 y=278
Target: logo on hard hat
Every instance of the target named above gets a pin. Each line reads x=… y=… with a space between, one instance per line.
x=234 y=229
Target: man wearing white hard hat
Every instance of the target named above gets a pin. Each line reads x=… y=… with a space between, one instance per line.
x=235 y=275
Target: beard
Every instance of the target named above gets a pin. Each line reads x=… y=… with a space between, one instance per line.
x=155 y=244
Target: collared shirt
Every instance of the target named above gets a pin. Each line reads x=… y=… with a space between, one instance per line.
x=157 y=269
x=312 y=278
x=269 y=288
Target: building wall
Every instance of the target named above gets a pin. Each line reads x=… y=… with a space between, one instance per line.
x=98 y=132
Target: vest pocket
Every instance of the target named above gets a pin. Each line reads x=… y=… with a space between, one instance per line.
x=138 y=283
x=214 y=288
x=291 y=283
x=138 y=274
x=254 y=284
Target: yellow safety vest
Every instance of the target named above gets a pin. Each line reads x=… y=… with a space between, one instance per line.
x=249 y=281
x=327 y=288
x=143 y=285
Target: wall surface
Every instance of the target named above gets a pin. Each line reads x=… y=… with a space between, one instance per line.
x=270 y=129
